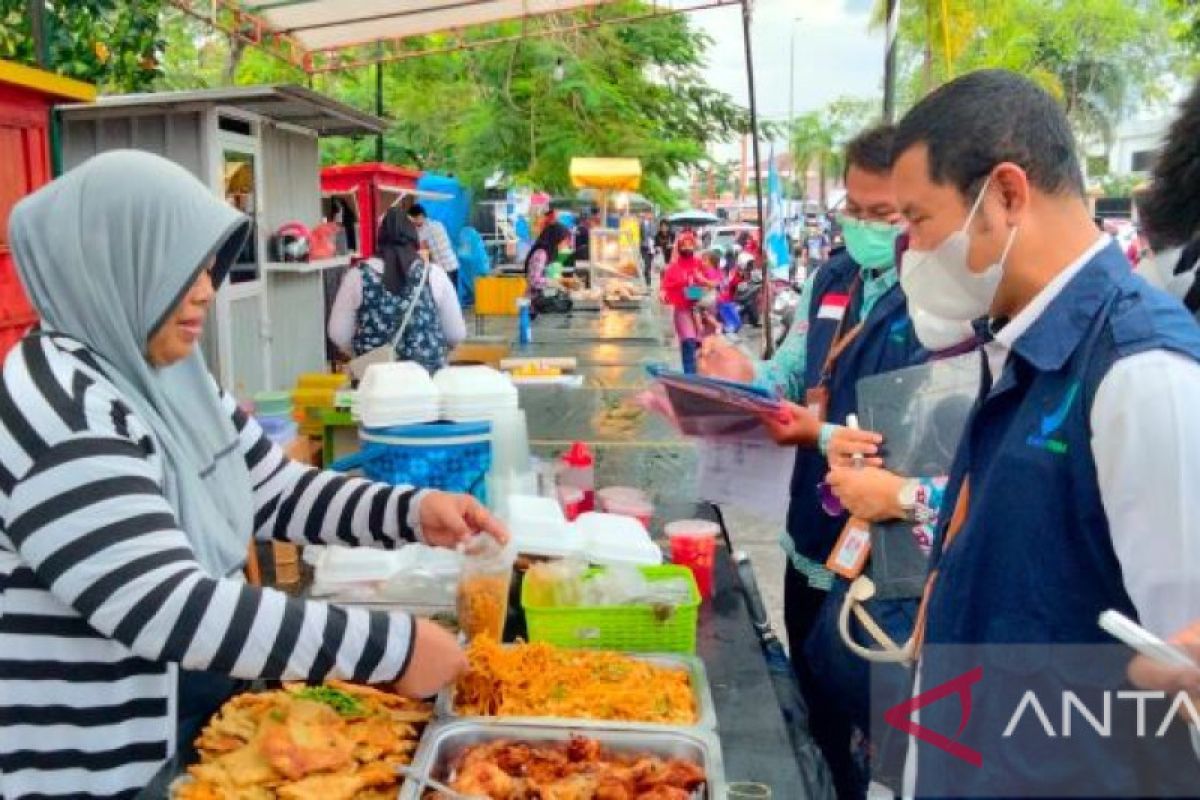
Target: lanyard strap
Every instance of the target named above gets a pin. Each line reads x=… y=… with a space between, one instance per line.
x=957 y=520
x=840 y=341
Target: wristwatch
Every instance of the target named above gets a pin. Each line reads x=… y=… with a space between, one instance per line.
x=906 y=497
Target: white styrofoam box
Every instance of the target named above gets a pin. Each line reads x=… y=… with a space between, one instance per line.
x=397 y=393
x=412 y=574
x=539 y=528
x=615 y=540
x=473 y=382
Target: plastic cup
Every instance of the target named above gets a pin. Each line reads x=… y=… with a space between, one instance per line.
x=694 y=545
x=628 y=502
x=482 y=596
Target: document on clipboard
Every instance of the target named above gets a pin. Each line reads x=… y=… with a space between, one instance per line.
x=711 y=407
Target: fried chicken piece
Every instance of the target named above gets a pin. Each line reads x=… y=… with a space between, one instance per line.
x=583 y=749
x=340 y=786
x=610 y=787
x=674 y=774
x=664 y=793
x=311 y=739
x=485 y=779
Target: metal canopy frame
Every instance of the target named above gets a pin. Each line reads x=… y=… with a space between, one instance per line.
x=319 y=36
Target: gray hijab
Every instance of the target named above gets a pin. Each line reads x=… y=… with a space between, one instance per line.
x=106 y=253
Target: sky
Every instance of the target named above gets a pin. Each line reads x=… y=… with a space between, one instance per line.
x=835 y=54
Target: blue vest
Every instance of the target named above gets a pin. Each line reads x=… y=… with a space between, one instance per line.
x=887 y=342
x=1034 y=562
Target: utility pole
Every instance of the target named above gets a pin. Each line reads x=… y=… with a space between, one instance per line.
x=379 y=101
x=792 y=108
x=889 y=62
x=769 y=345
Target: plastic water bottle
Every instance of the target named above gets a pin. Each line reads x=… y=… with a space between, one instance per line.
x=524 y=322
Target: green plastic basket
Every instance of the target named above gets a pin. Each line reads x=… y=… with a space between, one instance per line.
x=628 y=629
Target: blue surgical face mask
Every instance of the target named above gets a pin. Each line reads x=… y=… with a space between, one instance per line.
x=871 y=244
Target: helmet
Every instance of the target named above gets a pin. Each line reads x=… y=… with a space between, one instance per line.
x=292 y=242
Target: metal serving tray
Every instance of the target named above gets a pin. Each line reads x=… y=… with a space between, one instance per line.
x=697 y=675
x=445 y=741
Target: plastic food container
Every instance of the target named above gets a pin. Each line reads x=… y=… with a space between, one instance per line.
x=615 y=540
x=694 y=545
x=627 y=502
x=273 y=404
x=625 y=629
x=540 y=529
x=444 y=744
x=706 y=710
x=482 y=596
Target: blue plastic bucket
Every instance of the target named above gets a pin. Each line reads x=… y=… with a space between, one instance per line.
x=451 y=456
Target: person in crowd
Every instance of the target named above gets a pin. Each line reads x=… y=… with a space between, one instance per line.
x=677 y=280
x=436 y=240
x=664 y=242
x=1071 y=493
x=1169 y=211
x=708 y=279
x=852 y=322
x=646 y=245
x=816 y=247
x=583 y=237
x=374 y=299
x=130 y=487
x=554 y=238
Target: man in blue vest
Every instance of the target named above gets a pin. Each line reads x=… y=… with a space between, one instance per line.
x=1072 y=490
x=853 y=322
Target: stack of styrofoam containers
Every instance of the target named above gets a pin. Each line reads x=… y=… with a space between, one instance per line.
x=397 y=393
x=540 y=529
x=480 y=393
x=474 y=393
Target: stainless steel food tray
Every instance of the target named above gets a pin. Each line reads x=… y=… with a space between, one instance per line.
x=697 y=676
x=444 y=741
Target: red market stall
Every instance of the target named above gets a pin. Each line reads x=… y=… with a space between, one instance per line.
x=369 y=189
x=26 y=95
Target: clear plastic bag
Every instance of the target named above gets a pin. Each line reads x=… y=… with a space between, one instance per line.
x=482 y=596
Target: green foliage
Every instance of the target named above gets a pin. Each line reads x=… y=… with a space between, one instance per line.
x=497 y=111
x=114 y=44
x=1101 y=58
x=1120 y=185
x=819 y=137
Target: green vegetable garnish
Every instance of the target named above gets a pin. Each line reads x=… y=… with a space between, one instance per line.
x=344 y=704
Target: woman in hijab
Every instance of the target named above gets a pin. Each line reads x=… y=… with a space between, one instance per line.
x=130 y=487
x=373 y=301
x=544 y=250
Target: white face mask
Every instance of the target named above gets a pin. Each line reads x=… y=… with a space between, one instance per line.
x=938 y=333
x=940 y=280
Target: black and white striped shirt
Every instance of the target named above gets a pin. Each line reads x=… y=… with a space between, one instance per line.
x=102 y=600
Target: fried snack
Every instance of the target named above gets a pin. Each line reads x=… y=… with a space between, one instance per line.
x=483 y=605
x=576 y=770
x=338 y=741
x=540 y=680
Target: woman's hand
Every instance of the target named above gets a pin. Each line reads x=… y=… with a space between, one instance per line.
x=870 y=494
x=437 y=660
x=847 y=442
x=719 y=359
x=1147 y=673
x=793 y=425
x=448 y=519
